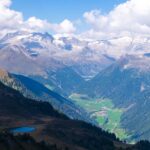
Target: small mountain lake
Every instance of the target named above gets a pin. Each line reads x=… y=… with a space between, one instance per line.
x=22 y=130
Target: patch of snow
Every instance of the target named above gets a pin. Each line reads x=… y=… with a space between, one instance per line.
x=142 y=88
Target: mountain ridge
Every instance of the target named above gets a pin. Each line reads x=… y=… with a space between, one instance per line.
x=32 y=89
x=78 y=136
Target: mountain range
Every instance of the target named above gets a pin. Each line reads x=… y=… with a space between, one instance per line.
x=44 y=53
x=103 y=82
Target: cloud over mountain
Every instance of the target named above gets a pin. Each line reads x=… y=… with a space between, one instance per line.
x=127 y=18
x=128 y=22
x=11 y=21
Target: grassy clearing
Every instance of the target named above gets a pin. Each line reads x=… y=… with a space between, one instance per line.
x=49 y=87
x=104 y=112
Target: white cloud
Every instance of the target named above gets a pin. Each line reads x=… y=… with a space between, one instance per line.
x=5 y=3
x=65 y=26
x=36 y=24
x=11 y=21
x=131 y=17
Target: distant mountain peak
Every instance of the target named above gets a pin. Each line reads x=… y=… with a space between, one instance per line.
x=139 y=62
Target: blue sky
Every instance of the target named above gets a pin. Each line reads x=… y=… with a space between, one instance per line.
x=58 y=10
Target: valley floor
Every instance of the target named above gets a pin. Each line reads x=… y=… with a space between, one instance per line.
x=103 y=111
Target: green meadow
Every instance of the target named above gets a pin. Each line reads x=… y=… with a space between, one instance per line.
x=104 y=112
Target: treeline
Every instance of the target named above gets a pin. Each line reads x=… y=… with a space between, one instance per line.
x=25 y=142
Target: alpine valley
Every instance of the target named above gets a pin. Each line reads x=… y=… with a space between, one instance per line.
x=81 y=83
